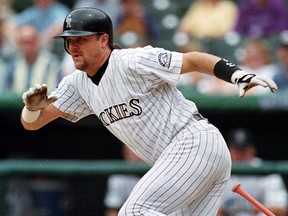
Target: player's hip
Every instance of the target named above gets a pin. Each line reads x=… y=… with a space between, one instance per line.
x=207 y=144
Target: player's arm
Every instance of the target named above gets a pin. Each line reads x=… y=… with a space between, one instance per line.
x=38 y=110
x=225 y=70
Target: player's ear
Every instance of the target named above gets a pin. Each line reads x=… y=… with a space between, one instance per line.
x=104 y=40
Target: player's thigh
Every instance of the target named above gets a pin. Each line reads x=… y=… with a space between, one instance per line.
x=186 y=171
x=208 y=204
x=181 y=194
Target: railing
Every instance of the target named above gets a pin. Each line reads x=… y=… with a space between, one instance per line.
x=66 y=168
x=76 y=168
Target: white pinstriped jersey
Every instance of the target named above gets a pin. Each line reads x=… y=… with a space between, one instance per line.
x=134 y=94
x=136 y=99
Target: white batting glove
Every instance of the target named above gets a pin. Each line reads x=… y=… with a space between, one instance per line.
x=247 y=81
x=36 y=98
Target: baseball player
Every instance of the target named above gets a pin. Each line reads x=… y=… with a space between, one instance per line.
x=133 y=92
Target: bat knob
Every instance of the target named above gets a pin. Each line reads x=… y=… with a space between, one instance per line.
x=236 y=187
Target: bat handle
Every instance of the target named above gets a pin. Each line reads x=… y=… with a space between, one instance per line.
x=238 y=189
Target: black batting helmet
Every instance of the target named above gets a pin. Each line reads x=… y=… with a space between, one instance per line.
x=86 y=21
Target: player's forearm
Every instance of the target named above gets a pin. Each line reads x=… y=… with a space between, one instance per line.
x=200 y=62
x=209 y=64
x=225 y=70
x=36 y=120
x=29 y=118
x=32 y=120
x=30 y=126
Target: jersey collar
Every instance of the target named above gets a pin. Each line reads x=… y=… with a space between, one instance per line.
x=97 y=77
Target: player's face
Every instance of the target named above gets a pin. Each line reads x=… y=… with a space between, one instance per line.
x=86 y=52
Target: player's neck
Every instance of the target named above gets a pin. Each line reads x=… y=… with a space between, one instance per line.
x=100 y=62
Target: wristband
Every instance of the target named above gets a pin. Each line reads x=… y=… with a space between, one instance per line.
x=29 y=116
x=224 y=69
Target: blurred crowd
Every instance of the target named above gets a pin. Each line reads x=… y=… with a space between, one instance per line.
x=250 y=33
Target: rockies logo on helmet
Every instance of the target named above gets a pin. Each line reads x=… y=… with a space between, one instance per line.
x=68 y=21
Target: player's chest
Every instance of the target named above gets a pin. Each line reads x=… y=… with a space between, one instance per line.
x=111 y=97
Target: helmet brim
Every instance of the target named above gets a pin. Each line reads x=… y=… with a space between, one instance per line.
x=76 y=33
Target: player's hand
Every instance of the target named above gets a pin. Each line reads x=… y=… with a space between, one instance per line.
x=36 y=98
x=246 y=81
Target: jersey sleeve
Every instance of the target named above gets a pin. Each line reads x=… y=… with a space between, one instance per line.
x=69 y=100
x=159 y=65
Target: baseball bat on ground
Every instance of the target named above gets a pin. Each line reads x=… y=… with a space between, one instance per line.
x=238 y=189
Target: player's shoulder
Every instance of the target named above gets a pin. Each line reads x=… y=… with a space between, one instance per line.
x=74 y=77
x=71 y=81
x=138 y=51
x=76 y=73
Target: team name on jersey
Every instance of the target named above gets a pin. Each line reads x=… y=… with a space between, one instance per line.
x=120 y=111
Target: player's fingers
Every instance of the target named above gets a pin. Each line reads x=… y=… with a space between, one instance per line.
x=243 y=87
x=266 y=83
x=44 y=86
x=31 y=91
x=258 y=81
x=51 y=99
x=242 y=91
x=38 y=87
x=27 y=94
x=271 y=84
x=24 y=96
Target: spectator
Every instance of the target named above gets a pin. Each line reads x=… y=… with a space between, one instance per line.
x=46 y=16
x=6 y=8
x=211 y=22
x=135 y=26
x=257 y=57
x=208 y=19
x=111 y=7
x=32 y=64
x=261 y=18
x=119 y=186
x=7 y=12
x=268 y=189
x=281 y=76
x=18 y=199
x=6 y=49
